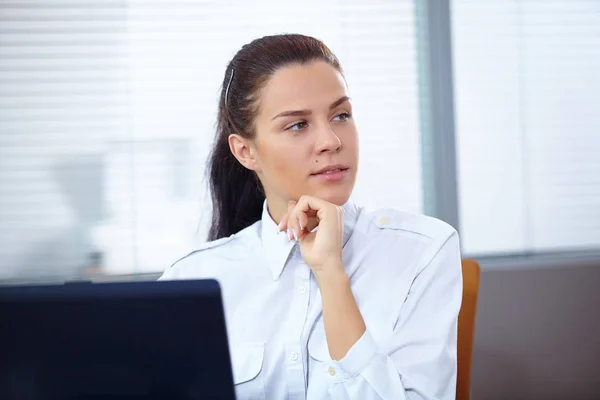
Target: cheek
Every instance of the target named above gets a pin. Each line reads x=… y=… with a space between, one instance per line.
x=287 y=162
x=283 y=158
x=350 y=138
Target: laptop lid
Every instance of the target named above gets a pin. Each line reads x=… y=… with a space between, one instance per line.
x=129 y=340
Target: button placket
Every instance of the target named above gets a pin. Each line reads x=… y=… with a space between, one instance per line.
x=295 y=324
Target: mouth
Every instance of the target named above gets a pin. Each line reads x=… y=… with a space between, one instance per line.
x=331 y=169
x=332 y=174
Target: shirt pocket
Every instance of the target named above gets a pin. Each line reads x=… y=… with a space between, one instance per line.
x=247 y=363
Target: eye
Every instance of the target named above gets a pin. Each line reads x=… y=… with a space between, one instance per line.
x=342 y=117
x=298 y=126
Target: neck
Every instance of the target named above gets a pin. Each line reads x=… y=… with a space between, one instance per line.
x=277 y=208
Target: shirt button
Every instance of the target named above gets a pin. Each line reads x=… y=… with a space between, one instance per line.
x=301 y=289
x=294 y=356
x=384 y=221
x=331 y=371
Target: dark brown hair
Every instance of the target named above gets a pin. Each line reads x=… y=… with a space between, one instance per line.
x=236 y=192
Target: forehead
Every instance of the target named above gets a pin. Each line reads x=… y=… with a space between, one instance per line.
x=307 y=86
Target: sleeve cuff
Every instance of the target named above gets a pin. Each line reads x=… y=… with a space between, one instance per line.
x=355 y=361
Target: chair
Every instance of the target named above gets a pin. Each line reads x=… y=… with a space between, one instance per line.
x=466 y=327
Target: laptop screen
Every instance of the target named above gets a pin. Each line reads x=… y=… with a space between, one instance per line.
x=140 y=340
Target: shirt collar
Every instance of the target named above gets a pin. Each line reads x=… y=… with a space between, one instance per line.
x=277 y=247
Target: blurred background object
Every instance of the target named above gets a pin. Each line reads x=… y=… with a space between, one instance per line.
x=485 y=114
x=135 y=85
x=528 y=124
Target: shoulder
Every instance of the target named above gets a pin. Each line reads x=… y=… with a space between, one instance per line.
x=212 y=248
x=414 y=242
x=406 y=225
x=201 y=262
x=413 y=239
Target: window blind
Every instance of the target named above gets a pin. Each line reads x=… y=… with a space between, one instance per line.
x=63 y=99
x=527 y=124
x=107 y=114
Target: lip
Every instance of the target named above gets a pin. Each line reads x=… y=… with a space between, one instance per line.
x=331 y=168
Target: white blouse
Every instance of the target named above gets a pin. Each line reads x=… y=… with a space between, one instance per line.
x=405 y=274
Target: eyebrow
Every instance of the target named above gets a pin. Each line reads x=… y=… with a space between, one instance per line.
x=303 y=113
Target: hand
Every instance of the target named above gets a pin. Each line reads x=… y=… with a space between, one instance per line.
x=322 y=249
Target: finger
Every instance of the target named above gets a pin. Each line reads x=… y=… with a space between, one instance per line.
x=311 y=221
x=322 y=209
x=294 y=224
x=303 y=222
x=291 y=227
x=283 y=223
x=295 y=217
x=298 y=220
x=315 y=206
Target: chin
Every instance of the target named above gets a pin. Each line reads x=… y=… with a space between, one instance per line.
x=338 y=197
x=337 y=194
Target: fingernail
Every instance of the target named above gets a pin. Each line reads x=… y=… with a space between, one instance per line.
x=301 y=227
x=289 y=233
x=279 y=226
x=295 y=235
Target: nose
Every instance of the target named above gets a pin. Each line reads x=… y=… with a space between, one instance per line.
x=327 y=140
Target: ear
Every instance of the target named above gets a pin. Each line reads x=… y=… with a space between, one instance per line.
x=242 y=149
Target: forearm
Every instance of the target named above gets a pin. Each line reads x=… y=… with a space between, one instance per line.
x=344 y=324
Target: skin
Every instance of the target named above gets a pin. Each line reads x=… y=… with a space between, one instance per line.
x=304 y=123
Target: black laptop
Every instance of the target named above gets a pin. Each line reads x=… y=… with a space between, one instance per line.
x=135 y=340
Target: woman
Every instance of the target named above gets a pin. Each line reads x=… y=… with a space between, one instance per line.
x=323 y=299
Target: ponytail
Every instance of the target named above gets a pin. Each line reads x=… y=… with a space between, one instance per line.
x=236 y=193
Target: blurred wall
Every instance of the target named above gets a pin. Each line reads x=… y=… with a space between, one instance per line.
x=538 y=334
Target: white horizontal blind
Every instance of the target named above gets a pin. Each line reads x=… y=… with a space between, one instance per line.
x=124 y=93
x=63 y=101
x=527 y=88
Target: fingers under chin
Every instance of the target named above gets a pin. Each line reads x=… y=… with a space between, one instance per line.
x=311 y=223
x=299 y=225
x=300 y=221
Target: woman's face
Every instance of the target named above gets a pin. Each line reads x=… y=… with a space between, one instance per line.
x=306 y=141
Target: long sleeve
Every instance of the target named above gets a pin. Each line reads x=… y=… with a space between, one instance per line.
x=419 y=361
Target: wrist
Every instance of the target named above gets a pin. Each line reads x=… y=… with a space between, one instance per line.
x=331 y=275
